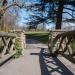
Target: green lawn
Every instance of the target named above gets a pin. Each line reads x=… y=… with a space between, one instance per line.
x=36 y=32
x=40 y=36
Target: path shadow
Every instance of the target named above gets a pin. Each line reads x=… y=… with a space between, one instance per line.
x=70 y=58
x=31 y=41
x=51 y=65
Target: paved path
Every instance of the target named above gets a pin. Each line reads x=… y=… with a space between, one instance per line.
x=34 y=62
x=27 y=64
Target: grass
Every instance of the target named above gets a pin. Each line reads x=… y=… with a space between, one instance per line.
x=43 y=37
x=36 y=32
x=40 y=36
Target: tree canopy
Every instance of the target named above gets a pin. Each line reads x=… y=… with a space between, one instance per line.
x=53 y=10
x=44 y=11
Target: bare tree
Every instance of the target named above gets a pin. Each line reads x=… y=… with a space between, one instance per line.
x=4 y=9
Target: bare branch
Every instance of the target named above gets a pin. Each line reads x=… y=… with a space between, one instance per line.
x=69 y=9
x=3 y=9
x=69 y=14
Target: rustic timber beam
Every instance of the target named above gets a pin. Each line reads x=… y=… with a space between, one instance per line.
x=8 y=44
x=5 y=34
x=61 y=42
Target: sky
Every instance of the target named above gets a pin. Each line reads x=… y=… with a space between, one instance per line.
x=25 y=14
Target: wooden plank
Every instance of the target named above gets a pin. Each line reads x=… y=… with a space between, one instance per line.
x=11 y=48
x=60 y=44
x=66 y=35
x=67 y=63
x=5 y=34
x=5 y=47
x=8 y=45
x=68 y=40
x=4 y=41
x=6 y=57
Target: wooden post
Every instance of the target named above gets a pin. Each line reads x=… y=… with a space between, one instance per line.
x=22 y=38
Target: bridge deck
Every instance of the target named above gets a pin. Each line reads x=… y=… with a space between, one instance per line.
x=34 y=62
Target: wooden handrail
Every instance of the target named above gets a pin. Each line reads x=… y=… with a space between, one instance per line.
x=7 y=46
x=5 y=34
x=59 y=42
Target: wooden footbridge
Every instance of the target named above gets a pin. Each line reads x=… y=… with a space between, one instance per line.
x=58 y=58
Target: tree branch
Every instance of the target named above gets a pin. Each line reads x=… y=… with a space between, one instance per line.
x=69 y=14
x=3 y=9
x=69 y=9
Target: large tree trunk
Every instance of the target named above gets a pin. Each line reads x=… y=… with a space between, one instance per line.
x=59 y=14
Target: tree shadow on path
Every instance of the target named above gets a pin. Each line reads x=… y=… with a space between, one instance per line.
x=51 y=65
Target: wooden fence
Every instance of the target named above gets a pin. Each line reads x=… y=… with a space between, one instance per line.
x=60 y=42
x=7 y=41
x=21 y=37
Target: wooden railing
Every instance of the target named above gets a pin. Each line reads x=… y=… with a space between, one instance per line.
x=21 y=37
x=60 y=42
x=7 y=41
